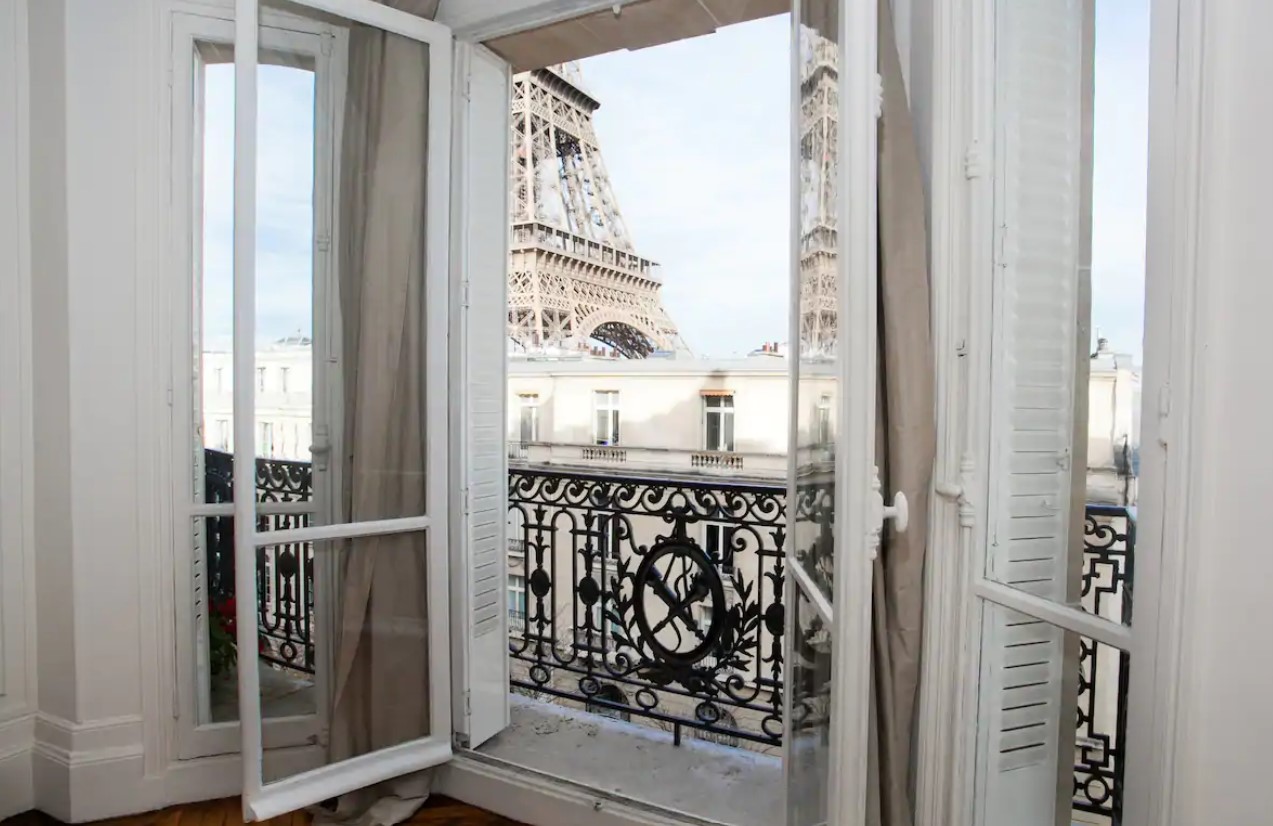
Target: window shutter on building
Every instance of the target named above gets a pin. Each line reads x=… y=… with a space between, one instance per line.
x=481 y=618
x=1038 y=296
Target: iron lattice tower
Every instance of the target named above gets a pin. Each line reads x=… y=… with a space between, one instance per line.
x=819 y=139
x=573 y=275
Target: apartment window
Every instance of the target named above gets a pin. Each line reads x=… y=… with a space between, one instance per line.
x=517 y=601
x=718 y=541
x=822 y=420
x=282 y=379
x=528 y=421
x=223 y=433
x=260 y=379
x=606 y=420
x=718 y=418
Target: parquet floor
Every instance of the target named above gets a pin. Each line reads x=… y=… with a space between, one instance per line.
x=438 y=811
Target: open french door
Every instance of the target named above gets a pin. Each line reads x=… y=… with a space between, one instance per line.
x=834 y=507
x=382 y=556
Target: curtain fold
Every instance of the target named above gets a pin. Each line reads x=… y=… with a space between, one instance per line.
x=905 y=440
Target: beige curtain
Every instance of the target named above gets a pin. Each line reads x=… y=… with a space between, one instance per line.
x=905 y=440
x=380 y=671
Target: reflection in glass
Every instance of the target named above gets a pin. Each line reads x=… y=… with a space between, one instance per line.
x=1054 y=723
x=819 y=273
x=809 y=681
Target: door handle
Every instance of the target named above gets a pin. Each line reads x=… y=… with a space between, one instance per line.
x=899 y=512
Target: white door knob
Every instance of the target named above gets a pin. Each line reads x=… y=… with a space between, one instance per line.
x=899 y=512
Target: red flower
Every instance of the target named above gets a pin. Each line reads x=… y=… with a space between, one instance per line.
x=225 y=613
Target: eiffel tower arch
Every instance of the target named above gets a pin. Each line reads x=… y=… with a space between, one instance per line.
x=574 y=276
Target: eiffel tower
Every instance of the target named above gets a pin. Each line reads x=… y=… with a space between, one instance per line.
x=819 y=138
x=574 y=276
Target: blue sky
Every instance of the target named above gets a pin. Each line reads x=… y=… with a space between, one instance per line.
x=695 y=137
x=285 y=215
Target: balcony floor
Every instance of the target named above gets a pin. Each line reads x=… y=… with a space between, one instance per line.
x=438 y=811
x=710 y=781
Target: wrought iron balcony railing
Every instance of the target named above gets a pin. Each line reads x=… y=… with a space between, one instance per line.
x=662 y=599
x=1109 y=539
x=653 y=598
x=284 y=574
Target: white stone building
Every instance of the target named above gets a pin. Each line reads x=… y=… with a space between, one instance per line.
x=1113 y=427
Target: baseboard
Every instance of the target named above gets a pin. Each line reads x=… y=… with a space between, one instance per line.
x=539 y=799
x=91 y=770
x=212 y=778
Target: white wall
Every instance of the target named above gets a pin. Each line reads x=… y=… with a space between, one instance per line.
x=93 y=415
x=1226 y=719
x=17 y=606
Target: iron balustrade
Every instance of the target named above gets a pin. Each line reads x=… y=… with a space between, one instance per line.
x=598 y=551
x=1109 y=540
x=284 y=573
x=630 y=609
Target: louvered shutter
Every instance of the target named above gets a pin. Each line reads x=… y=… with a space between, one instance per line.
x=481 y=617
x=1039 y=296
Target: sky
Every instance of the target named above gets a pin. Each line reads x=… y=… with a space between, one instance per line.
x=694 y=135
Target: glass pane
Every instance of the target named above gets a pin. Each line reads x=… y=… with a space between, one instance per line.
x=713 y=429
x=212 y=254
x=377 y=651
x=820 y=271
x=285 y=654
x=809 y=682
x=341 y=365
x=1053 y=724
x=341 y=265
x=1072 y=107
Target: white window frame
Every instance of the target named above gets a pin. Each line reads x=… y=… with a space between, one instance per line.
x=193 y=37
x=721 y=411
x=262 y=800
x=606 y=402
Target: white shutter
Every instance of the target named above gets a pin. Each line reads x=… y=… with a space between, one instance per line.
x=1038 y=291
x=481 y=255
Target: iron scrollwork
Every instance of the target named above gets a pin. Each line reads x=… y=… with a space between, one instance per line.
x=1109 y=537
x=284 y=573
x=624 y=601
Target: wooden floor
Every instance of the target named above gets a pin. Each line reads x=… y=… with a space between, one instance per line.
x=438 y=811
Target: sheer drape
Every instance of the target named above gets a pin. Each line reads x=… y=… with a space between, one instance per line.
x=380 y=685
x=905 y=440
